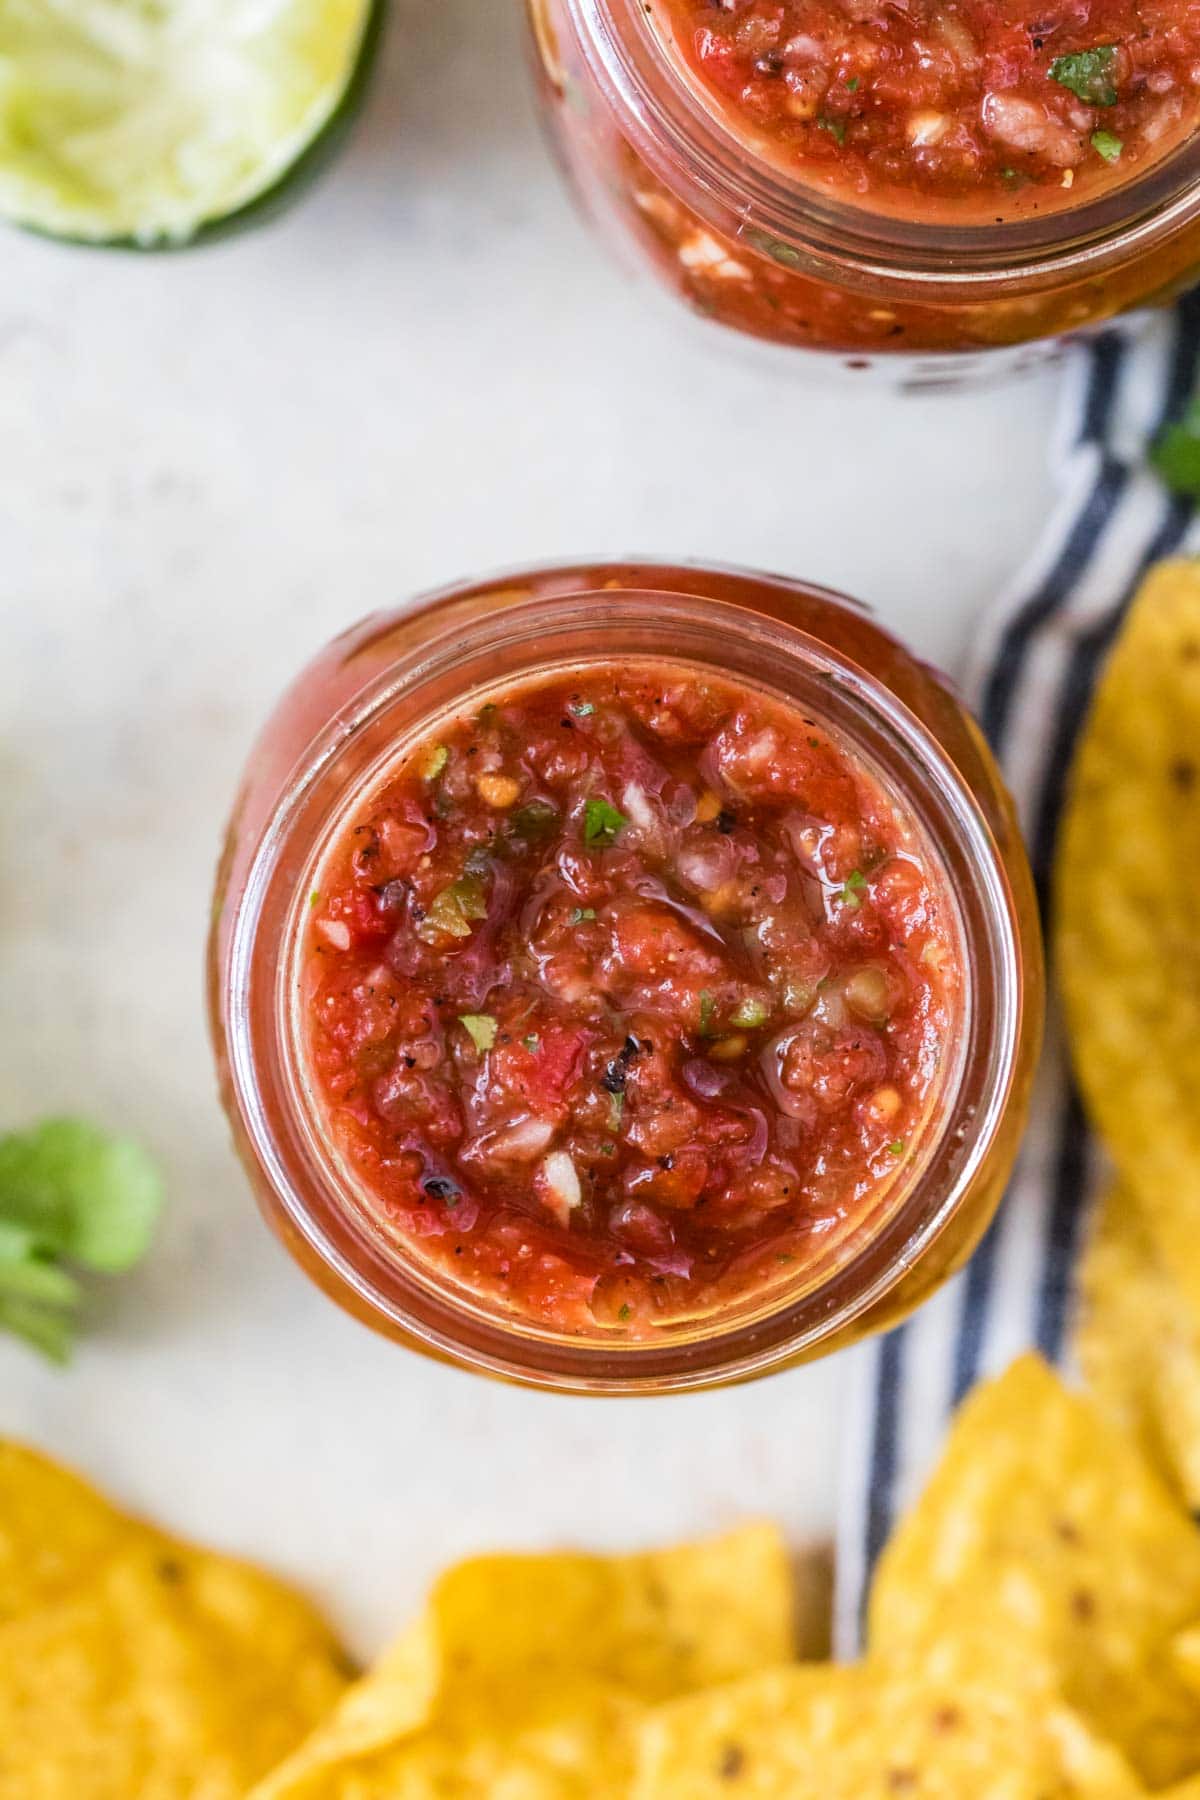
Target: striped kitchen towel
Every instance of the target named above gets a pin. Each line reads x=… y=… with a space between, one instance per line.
x=1030 y=686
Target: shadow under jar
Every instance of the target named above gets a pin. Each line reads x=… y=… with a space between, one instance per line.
x=880 y=181
x=625 y=978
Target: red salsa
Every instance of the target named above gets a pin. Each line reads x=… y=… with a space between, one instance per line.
x=996 y=101
x=624 y=996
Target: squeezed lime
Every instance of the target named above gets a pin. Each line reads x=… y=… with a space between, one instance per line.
x=154 y=122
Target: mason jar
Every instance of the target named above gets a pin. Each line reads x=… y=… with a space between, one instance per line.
x=323 y=919
x=781 y=249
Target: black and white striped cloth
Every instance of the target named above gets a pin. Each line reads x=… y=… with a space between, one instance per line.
x=1030 y=685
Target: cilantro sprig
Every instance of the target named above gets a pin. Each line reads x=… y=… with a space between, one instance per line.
x=71 y=1197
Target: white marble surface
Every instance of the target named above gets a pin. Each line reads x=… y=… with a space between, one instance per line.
x=210 y=463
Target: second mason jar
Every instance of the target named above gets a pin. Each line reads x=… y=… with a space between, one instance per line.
x=860 y=186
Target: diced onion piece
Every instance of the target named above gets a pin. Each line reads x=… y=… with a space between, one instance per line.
x=637 y=808
x=564 y=1193
x=335 y=932
x=926 y=127
x=706 y=867
x=1028 y=126
x=759 y=751
x=703 y=254
x=519 y=1142
x=957 y=38
x=703 y=1079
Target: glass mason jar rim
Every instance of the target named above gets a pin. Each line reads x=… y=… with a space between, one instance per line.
x=793 y=222
x=261 y=1016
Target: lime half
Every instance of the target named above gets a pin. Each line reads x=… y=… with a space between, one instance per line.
x=153 y=122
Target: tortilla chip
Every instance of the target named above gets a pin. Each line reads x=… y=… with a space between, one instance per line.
x=1128 y=911
x=134 y=1665
x=1043 y=1539
x=1138 y=1343
x=556 y=1739
x=169 y=1673
x=872 y=1733
x=54 y=1530
x=526 y=1669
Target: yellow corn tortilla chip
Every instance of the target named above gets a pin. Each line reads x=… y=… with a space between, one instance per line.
x=515 y=1653
x=660 y=1622
x=1138 y=1343
x=555 y=1739
x=1043 y=1538
x=169 y=1674
x=872 y=1733
x=1127 y=908
x=133 y=1665
x=54 y=1530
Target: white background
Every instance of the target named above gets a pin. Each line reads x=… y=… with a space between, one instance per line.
x=210 y=464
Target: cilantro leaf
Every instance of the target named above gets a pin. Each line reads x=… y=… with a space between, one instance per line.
x=40 y=1281
x=1106 y=145
x=481 y=1027
x=1088 y=74
x=1176 y=454
x=52 y=1332
x=68 y=1193
x=851 y=895
x=602 y=822
x=80 y=1193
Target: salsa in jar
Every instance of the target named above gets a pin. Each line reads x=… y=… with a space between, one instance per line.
x=625 y=978
x=863 y=177
x=998 y=109
x=626 y=994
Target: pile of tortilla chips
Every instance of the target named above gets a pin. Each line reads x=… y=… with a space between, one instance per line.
x=1127 y=941
x=1034 y=1626
x=134 y=1667
x=1034 y=1634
